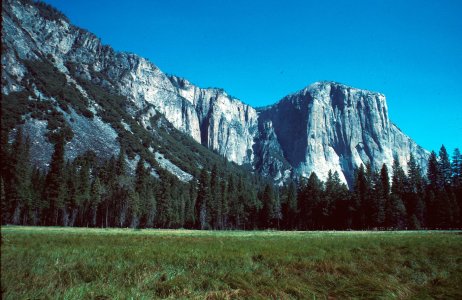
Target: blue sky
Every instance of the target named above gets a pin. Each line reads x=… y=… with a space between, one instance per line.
x=260 y=51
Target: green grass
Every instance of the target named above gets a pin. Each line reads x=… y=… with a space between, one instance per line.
x=80 y=263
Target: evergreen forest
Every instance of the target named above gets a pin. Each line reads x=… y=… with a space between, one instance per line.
x=90 y=192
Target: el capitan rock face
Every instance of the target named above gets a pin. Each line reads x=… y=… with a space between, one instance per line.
x=325 y=126
x=331 y=126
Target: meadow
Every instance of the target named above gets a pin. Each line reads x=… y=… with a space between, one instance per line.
x=83 y=263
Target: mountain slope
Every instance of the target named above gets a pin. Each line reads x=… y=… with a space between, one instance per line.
x=53 y=99
x=326 y=126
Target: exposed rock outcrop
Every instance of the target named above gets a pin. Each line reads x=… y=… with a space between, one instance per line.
x=331 y=126
x=326 y=126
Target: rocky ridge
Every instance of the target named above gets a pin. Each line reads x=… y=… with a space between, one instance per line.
x=325 y=126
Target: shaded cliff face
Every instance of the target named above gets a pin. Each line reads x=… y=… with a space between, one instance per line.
x=226 y=125
x=330 y=126
x=326 y=126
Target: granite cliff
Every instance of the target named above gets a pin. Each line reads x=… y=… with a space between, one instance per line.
x=325 y=126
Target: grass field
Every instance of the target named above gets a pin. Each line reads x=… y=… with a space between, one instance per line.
x=80 y=263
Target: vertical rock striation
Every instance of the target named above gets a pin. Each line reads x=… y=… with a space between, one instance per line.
x=331 y=126
x=326 y=126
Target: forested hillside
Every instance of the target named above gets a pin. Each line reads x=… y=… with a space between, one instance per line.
x=91 y=192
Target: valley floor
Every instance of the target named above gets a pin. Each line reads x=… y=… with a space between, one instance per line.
x=78 y=263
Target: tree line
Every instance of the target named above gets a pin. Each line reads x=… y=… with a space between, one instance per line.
x=89 y=192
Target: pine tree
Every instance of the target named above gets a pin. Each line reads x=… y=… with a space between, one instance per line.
x=456 y=167
x=180 y=206
x=120 y=165
x=378 y=200
x=434 y=173
x=414 y=199
x=445 y=167
x=310 y=203
x=447 y=207
x=399 y=179
x=236 y=202
x=202 y=202
x=289 y=206
x=5 y=173
x=432 y=207
x=71 y=205
x=268 y=200
x=361 y=192
x=120 y=196
x=223 y=222
x=457 y=185
x=397 y=209
x=232 y=202
x=141 y=177
x=20 y=195
x=164 y=198
x=54 y=185
x=239 y=208
x=4 y=204
x=398 y=212
x=384 y=196
x=214 y=206
x=371 y=206
x=123 y=206
x=333 y=194
x=134 y=207
x=38 y=203
x=276 y=216
x=443 y=211
x=190 y=218
x=175 y=204
x=144 y=186
x=96 y=199
x=338 y=196
x=304 y=204
x=109 y=180
x=414 y=176
x=315 y=189
x=438 y=203
x=250 y=203
x=83 y=194
x=151 y=207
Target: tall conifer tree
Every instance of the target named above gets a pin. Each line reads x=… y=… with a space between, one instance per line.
x=54 y=185
x=203 y=199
